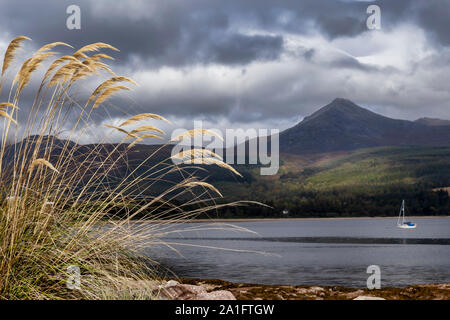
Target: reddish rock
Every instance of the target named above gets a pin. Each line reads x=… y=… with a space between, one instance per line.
x=216 y=295
x=368 y=298
x=174 y=290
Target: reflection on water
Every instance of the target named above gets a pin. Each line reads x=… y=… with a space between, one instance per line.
x=315 y=252
x=331 y=240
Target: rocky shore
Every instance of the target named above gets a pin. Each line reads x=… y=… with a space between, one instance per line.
x=214 y=289
x=211 y=289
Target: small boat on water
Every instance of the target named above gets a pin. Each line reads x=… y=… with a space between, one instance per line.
x=401 y=223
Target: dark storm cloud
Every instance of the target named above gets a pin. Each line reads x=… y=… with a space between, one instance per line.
x=177 y=33
x=435 y=17
x=432 y=16
x=341 y=26
x=175 y=39
x=174 y=36
x=244 y=49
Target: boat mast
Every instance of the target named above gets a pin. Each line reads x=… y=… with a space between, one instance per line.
x=402 y=213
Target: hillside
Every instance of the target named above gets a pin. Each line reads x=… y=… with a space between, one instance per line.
x=341 y=160
x=363 y=182
x=343 y=125
x=433 y=122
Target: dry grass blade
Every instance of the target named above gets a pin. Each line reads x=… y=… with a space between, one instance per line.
x=196 y=153
x=141 y=117
x=93 y=47
x=108 y=93
x=22 y=71
x=7 y=116
x=8 y=105
x=11 y=52
x=56 y=63
x=66 y=71
x=98 y=56
x=90 y=67
x=103 y=66
x=142 y=138
x=81 y=73
x=193 y=132
x=108 y=83
x=52 y=45
x=220 y=164
x=94 y=65
x=90 y=64
x=42 y=162
x=122 y=130
x=147 y=128
x=203 y=184
x=29 y=67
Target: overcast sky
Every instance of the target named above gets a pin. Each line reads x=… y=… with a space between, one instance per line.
x=248 y=63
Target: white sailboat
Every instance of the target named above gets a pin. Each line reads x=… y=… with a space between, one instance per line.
x=401 y=223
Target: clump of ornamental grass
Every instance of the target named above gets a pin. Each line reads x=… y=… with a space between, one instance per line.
x=55 y=200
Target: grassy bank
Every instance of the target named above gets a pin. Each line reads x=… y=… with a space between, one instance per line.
x=366 y=182
x=52 y=236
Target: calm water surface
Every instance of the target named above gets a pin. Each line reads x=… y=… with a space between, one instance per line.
x=312 y=252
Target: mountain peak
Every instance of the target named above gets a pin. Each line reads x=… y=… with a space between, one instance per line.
x=339 y=106
x=342 y=103
x=339 y=101
x=343 y=125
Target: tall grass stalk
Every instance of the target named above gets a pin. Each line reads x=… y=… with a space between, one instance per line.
x=55 y=206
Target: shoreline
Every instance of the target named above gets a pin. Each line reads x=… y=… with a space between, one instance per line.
x=246 y=291
x=232 y=220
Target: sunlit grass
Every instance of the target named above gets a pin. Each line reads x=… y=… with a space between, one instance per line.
x=55 y=208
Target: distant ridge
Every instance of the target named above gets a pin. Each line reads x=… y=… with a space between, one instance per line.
x=433 y=122
x=343 y=125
